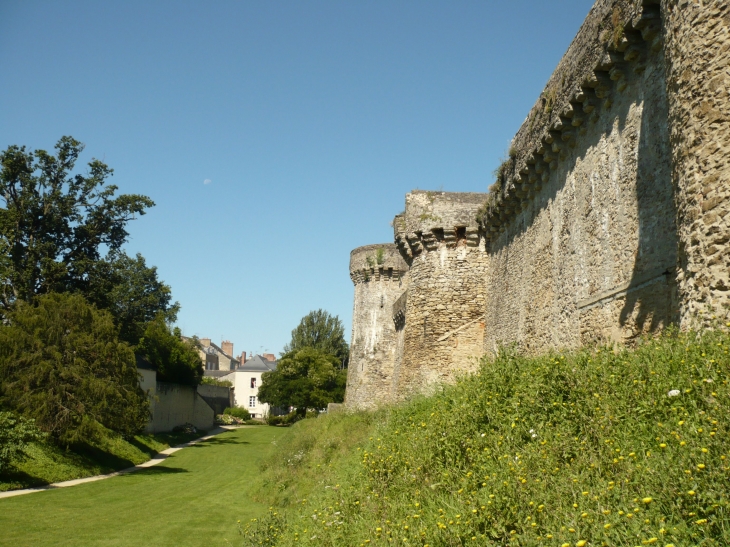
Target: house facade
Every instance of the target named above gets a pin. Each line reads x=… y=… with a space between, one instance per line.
x=246 y=380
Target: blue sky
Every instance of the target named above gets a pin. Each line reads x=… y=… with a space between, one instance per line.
x=309 y=120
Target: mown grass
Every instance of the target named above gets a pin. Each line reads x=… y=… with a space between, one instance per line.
x=594 y=447
x=47 y=463
x=192 y=498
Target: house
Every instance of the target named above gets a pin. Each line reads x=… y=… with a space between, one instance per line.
x=246 y=380
x=216 y=357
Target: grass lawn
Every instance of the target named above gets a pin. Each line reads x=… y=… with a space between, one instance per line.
x=48 y=463
x=194 y=497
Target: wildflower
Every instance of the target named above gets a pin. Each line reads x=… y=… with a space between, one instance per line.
x=647 y=500
x=581 y=543
x=607 y=525
x=701 y=466
x=674 y=393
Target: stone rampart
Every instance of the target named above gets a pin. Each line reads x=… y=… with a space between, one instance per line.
x=380 y=277
x=441 y=321
x=608 y=220
x=581 y=229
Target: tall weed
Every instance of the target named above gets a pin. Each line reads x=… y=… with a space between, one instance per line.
x=593 y=447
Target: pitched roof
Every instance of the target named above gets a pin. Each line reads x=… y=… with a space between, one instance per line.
x=257 y=364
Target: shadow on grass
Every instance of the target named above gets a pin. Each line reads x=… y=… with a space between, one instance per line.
x=218 y=440
x=105 y=459
x=157 y=470
x=13 y=479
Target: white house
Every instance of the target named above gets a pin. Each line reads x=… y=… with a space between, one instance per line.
x=246 y=380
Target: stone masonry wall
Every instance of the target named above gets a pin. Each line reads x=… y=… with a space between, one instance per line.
x=378 y=274
x=609 y=219
x=592 y=256
x=582 y=226
x=443 y=320
x=697 y=49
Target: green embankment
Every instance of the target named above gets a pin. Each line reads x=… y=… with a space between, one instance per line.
x=192 y=498
x=46 y=463
x=597 y=447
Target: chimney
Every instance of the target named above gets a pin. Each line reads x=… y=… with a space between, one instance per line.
x=205 y=342
x=269 y=356
x=242 y=358
x=227 y=347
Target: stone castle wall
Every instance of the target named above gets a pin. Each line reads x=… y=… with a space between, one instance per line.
x=380 y=277
x=608 y=220
x=443 y=321
x=583 y=237
x=697 y=50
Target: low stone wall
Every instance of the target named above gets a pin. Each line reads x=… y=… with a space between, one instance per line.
x=218 y=397
x=175 y=404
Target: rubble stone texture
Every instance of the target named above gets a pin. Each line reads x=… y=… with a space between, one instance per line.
x=697 y=50
x=380 y=277
x=609 y=220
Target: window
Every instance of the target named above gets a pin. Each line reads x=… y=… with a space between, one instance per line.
x=251 y=402
x=253 y=382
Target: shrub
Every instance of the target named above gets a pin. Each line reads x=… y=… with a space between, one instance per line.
x=238 y=412
x=15 y=434
x=209 y=380
x=62 y=364
x=601 y=446
x=288 y=419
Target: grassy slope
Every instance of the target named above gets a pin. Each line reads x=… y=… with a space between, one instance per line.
x=584 y=448
x=47 y=463
x=190 y=499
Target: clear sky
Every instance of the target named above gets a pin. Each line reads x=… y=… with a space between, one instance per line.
x=276 y=136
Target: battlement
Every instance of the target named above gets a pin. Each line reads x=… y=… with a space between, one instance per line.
x=435 y=218
x=614 y=42
x=376 y=262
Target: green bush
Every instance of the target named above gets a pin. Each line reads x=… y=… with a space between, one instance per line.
x=238 y=412
x=289 y=419
x=209 y=380
x=62 y=364
x=15 y=434
x=594 y=447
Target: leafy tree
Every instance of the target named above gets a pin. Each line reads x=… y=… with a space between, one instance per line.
x=322 y=331
x=15 y=434
x=131 y=292
x=175 y=360
x=62 y=364
x=55 y=224
x=308 y=378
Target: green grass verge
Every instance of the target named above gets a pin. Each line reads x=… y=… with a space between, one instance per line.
x=594 y=447
x=190 y=499
x=47 y=463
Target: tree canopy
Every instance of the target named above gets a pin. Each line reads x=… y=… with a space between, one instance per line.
x=54 y=224
x=132 y=293
x=320 y=330
x=175 y=360
x=308 y=378
x=62 y=364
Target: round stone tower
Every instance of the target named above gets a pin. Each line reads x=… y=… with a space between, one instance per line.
x=441 y=320
x=380 y=277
